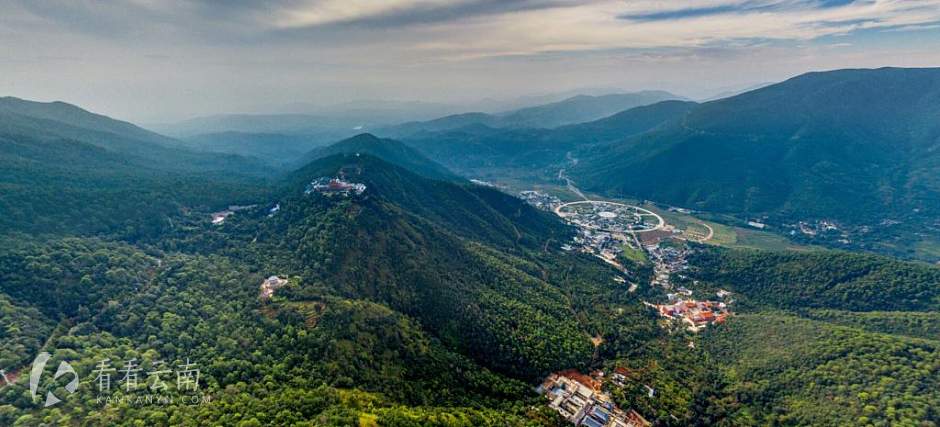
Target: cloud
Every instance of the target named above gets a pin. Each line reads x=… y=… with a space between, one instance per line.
x=399 y=13
x=468 y=29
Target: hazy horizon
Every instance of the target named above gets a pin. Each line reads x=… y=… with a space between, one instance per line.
x=157 y=63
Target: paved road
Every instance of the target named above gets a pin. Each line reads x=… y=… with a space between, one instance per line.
x=640 y=211
x=571 y=186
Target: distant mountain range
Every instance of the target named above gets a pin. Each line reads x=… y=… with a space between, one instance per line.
x=426 y=299
x=388 y=150
x=58 y=121
x=293 y=124
x=577 y=109
x=277 y=149
x=480 y=150
x=279 y=139
x=858 y=147
x=728 y=92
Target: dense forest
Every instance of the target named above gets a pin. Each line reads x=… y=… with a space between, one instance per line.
x=839 y=280
x=419 y=302
x=827 y=338
x=795 y=371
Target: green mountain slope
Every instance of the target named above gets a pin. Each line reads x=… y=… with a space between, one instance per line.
x=58 y=121
x=852 y=145
x=340 y=359
x=625 y=123
x=418 y=300
x=442 y=124
x=93 y=174
x=795 y=371
x=796 y=352
x=478 y=212
x=41 y=114
x=462 y=259
x=823 y=279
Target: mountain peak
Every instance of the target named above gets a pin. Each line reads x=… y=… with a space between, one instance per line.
x=388 y=150
x=362 y=138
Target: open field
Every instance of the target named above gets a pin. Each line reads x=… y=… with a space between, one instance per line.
x=634 y=254
x=727 y=235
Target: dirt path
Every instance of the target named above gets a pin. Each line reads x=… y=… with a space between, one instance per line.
x=711 y=232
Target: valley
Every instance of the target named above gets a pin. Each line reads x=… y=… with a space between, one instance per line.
x=468 y=274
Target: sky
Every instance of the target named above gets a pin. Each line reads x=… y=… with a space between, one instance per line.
x=153 y=61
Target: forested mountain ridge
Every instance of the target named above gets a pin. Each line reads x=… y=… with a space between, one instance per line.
x=466 y=261
x=14 y=110
x=185 y=307
x=625 y=123
x=795 y=371
x=440 y=296
x=59 y=121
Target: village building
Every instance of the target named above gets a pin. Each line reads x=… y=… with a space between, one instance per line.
x=334 y=186
x=580 y=400
x=271 y=284
x=697 y=314
x=220 y=217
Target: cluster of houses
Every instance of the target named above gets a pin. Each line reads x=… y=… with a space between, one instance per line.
x=666 y=261
x=540 y=200
x=334 y=186
x=579 y=399
x=619 y=220
x=600 y=243
x=697 y=314
x=812 y=228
